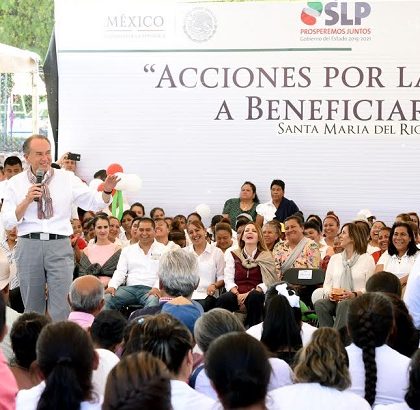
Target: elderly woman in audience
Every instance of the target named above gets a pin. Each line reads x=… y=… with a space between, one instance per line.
x=23 y=336
x=239 y=370
x=322 y=378
x=383 y=242
x=169 y=340
x=249 y=272
x=402 y=252
x=246 y=203
x=211 y=265
x=297 y=251
x=139 y=381
x=331 y=228
x=373 y=245
x=378 y=373
x=101 y=257
x=272 y=234
x=223 y=236
x=208 y=328
x=66 y=359
x=346 y=277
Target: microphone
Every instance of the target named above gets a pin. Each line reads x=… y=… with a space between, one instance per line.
x=39 y=177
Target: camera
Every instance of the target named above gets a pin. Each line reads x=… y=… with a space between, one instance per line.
x=73 y=157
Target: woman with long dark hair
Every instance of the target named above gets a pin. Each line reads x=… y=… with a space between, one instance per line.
x=65 y=359
x=378 y=373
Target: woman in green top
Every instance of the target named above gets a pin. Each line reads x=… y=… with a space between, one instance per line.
x=246 y=203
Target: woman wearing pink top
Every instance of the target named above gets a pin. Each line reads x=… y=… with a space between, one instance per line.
x=101 y=257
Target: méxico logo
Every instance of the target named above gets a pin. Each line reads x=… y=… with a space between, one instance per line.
x=332 y=13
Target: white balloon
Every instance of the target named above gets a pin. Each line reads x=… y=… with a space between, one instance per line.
x=203 y=210
x=94 y=184
x=129 y=182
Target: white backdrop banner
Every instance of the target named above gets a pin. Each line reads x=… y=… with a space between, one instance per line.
x=196 y=98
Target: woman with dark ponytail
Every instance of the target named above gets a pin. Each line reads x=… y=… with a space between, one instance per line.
x=65 y=361
x=378 y=373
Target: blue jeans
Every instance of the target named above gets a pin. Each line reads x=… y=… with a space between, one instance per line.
x=131 y=295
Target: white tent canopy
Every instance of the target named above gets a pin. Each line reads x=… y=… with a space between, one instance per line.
x=18 y=61
x=15 y=60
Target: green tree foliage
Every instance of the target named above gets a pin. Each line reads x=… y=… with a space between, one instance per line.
x=27 y=24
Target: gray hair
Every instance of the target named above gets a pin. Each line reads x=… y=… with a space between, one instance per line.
x=213 y=324
x=86 y=301
x=178 y=273
x=26 y=148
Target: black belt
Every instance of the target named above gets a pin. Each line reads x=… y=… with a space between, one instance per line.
x=43 y=236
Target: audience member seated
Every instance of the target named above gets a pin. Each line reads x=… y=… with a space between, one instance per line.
x=101 y=257
x=246 y=203
x=223 y=236
x=385 y=282
x=135 y=280
x=331 y=228
x=138 y=381
x=178 y=278
x=412 y=293
x=378 y=373
x=281 y=333
x=412 y=397
x=126 y=221
x=249 y=272
x=322 y=378
x=114 y=230
x=272 y=233
x=178 y=237
x=297 y=251
x=402 y=252
x=211 y=265
x=373 y=244
x=24 y=335
x=156 y=213
x=138 y=209
x=65 y=361
x=169 y=340
x=312 y=230
x=239 y=370
x=346 y=277
x=86 y=298
x=383 y=243
x=162 y=234
x=282 y=288
x=134 y=231
x=8 y=385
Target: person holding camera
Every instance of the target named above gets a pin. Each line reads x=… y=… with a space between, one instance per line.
x=38 y=201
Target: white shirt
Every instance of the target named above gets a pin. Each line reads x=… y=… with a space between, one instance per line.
x=395 y=406
x=361 y=271
x=136 y=268
x=313 y=396
x=392 y=374
x=211 y=265
x=400 y=267
x=107 y=361
x=28 y=399
x=65 y=189
x=183 y=397
x=281 y=375
x=267 y=211
x=171 y=246
x=412 y=293
x=230 y=271
x=371 y=249
x=306 y=332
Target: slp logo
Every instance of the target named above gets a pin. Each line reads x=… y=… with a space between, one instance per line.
x=336 y=13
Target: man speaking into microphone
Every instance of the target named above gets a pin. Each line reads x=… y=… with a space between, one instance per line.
x=39 y=203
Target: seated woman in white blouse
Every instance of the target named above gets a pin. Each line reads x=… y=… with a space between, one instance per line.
x=378 y=372
x=322 y=377
x=211 y=265
x=402 y=252
x=346 y=277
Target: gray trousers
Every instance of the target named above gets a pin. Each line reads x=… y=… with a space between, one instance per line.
x=41 y=263
x=327 y=310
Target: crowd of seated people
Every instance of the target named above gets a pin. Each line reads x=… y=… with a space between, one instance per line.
x=214 y=325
